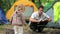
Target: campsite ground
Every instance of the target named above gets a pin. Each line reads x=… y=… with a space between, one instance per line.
x=6 y=29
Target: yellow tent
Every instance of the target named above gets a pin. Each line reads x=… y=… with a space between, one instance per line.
x=24 y=2
x=56 y=11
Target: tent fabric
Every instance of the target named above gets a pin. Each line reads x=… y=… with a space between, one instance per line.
x=24 y=2
x=28 y=12
x=3 y=19
x=56 y=11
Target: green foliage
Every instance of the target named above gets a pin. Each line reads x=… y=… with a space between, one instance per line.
x=36 y=3
x=6 y=4
x=46 y=3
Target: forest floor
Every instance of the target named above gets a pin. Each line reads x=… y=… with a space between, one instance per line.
x=7 y=29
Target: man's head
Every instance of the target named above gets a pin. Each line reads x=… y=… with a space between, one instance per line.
x=40 y=9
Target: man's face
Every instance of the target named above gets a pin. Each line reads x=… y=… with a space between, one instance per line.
x=40 y=11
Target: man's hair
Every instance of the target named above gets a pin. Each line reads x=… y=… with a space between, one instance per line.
x=41 y=7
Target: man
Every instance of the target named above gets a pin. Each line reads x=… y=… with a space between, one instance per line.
x=38 y=19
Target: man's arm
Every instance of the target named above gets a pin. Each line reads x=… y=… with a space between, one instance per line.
x=33 y=16
x=47 y=17
x=33 y=20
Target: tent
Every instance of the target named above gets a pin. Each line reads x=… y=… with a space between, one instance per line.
x=56 y=11
x=24 y=2
x=3 y=19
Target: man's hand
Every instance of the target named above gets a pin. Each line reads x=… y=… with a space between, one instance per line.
x=48 y=19
x=39 y=20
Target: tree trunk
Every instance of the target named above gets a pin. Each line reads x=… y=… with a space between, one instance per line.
x=33 y=1
x=40 y=2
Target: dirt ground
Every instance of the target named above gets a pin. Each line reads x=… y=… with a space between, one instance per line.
x=7 y=29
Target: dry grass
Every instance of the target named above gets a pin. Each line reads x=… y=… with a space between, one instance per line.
x=5 y=28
